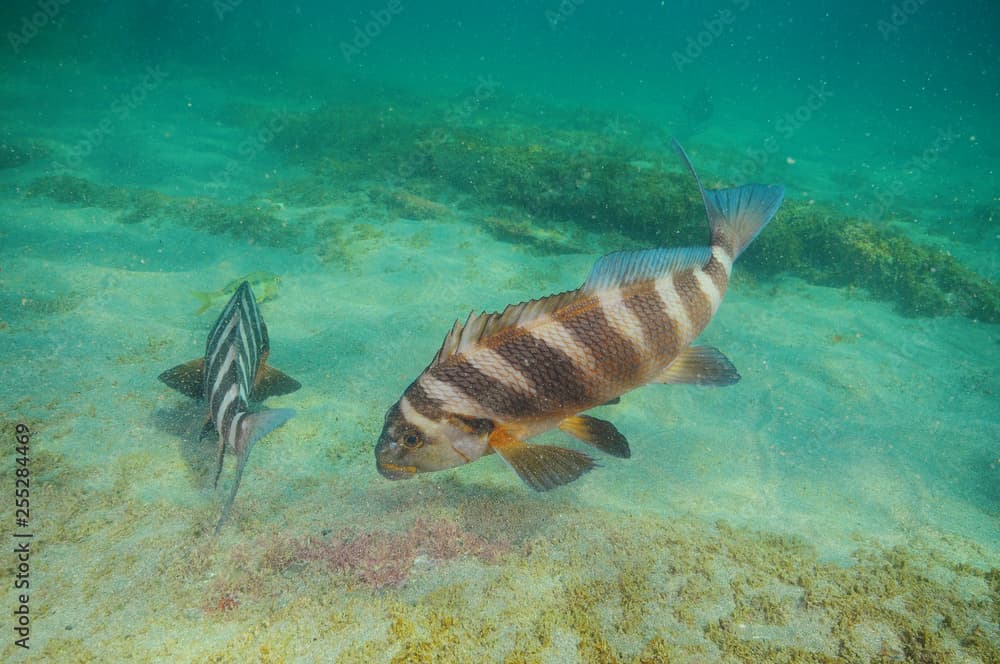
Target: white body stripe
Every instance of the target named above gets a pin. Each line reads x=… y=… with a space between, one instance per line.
x=411 y=415
x=221 y=370
x=621 y=318
x=457 y=400
x=709 y=288
x=229 y=397
x=220 y=336
x=675 y=309
x=234 y=427
x=723 y=257
x=557 y=336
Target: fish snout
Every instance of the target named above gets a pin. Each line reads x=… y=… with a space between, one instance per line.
x=386 y=461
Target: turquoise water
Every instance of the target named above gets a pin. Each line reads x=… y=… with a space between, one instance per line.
x=398 y=165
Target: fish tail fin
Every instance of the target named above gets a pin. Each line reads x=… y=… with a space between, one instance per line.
x=736 y=215
x=253 y=427
x=205 y=299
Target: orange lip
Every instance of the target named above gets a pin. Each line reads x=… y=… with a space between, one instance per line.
x=395 y=471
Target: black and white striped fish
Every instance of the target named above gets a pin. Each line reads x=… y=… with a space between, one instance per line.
x=232 y=376
x=501 y=378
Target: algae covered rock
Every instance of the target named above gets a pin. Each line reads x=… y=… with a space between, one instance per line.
x=820 y=247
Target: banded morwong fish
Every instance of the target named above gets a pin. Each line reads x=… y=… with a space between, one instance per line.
x=232 y=376
x=501 y=378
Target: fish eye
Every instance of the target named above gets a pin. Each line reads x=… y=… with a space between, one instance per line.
x=411 y=440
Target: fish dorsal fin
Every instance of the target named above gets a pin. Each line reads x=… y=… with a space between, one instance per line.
x=624 y=268
x=483 y=325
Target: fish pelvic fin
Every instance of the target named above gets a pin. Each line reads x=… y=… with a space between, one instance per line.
x=253 y=427
x=204 y=299
x=542 y=467
x=187 y=378
x=598 y=433
x=736 y=215
x=272 y=382
x=700 y=365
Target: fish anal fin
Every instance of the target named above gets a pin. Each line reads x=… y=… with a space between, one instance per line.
x=272 y=382
x=700 y=365
x=187 y=378
x=542 y=467
x=253 y=427
x=598 y=433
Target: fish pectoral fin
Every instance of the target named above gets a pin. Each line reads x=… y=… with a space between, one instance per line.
x=542 y=467
x=187 y=378
x=700 y=365
x=272 y=382
x=599 y=433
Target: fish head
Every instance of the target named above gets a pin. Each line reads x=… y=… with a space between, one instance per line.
x=412 y=443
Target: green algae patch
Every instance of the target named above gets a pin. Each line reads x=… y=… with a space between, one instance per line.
x=592 y=180
x=548 y=184
x=485 y=575
x=828 y=250
x=600 y=588
x=410 y=205
x=243 y=220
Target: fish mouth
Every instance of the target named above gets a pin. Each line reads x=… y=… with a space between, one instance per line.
x=395 y=471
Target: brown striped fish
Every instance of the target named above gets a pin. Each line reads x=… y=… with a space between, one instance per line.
x=232 y=376
x=501 y=378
